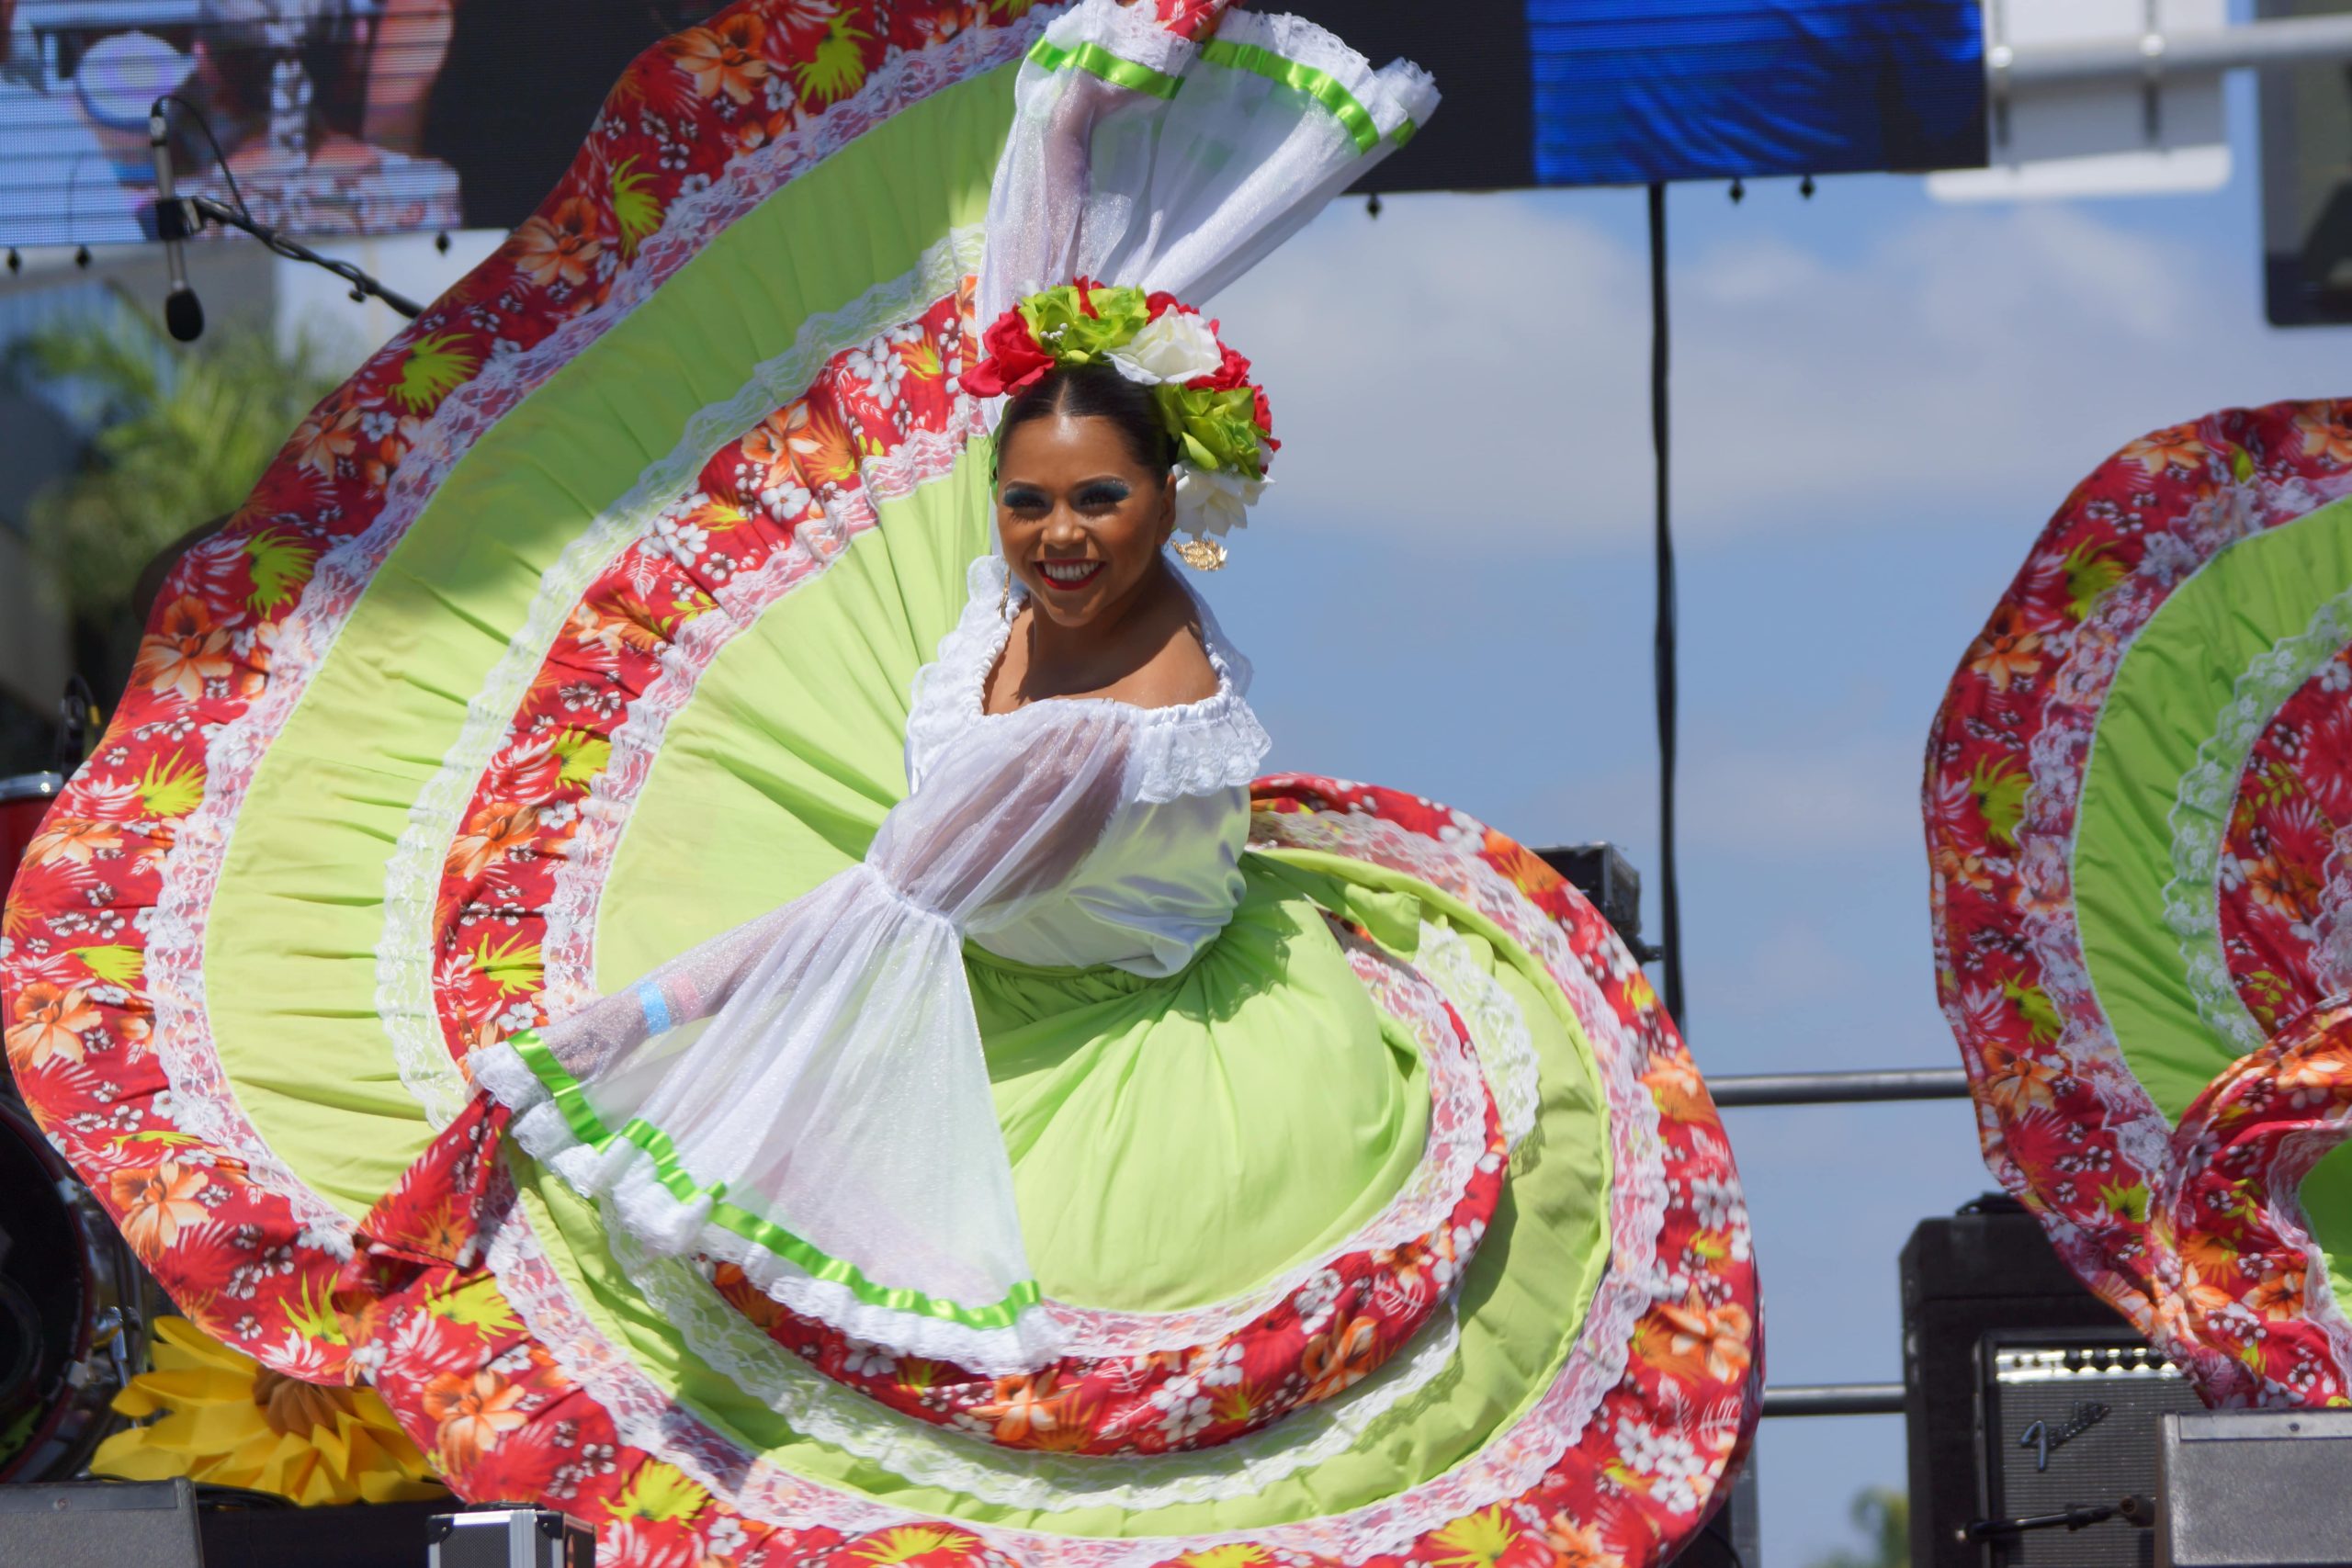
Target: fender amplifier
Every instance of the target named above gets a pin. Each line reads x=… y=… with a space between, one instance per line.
x=2025 y=1397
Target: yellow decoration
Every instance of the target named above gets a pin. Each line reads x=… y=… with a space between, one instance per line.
x=1477 y=1541
x=1201 y=555
x=223 y=1417
x=659 y=1493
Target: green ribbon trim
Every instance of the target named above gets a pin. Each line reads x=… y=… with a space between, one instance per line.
x=1101 y=62
x=1320 y=85
x=572 y=1102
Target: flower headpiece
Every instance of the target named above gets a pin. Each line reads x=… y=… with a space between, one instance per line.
x=1217 y=416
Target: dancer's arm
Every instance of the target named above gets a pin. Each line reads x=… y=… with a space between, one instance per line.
x=695 y=985
x=1008 y=813
x=1010 y=809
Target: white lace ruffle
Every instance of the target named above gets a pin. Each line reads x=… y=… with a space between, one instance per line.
x=1394 y=95
x=2200 y=817
x=2332 y=926
x=1192 y=749
x=630 y=1193
x=927 y=1455
x=1498 y=1027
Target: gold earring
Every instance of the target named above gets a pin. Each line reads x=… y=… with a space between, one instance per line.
x=1004 y=596
x=1201 y=555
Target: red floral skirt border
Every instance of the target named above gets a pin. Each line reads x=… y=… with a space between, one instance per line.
x=2195 y=1233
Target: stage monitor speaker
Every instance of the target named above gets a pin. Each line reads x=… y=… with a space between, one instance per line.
x=100 y=1524
x=2255 y=1489
x=1602 y=874
x=245 y=1532
x=2025 y=1396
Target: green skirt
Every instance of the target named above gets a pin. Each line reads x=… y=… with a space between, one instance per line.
x=1177 y=1140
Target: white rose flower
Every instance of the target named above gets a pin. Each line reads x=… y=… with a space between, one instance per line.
x=1210 y=501
x=1176 y=347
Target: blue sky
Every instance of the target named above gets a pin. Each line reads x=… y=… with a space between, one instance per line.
x=1878 y=401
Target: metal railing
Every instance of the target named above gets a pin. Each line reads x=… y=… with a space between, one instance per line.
x=1834 y=1399
x=1740 y=1091
x=1744 y=1089
x=2282 y=40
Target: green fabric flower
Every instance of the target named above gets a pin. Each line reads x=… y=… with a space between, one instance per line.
x=1213 y=429
x=1081 y=323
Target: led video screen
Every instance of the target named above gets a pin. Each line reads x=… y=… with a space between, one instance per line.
x=353 y=117
x=334 y=116
x=1626 y=92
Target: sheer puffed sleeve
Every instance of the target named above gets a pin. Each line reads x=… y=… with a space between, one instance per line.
x=687 y=988
x=806 y=1096
x=1010 y=812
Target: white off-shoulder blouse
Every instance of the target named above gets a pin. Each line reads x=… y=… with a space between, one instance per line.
x=1162 y=876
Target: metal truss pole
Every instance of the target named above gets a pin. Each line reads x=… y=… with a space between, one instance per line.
x=2284 y=40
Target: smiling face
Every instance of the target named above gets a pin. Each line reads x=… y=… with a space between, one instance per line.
x=1081 y=518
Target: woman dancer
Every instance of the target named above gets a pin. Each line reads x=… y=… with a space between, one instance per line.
x=843 y=1058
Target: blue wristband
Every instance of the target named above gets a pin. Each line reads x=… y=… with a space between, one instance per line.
x=656 y=1006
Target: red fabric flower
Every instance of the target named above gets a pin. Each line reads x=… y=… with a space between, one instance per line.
x=1234 y=372
x=1015 y=359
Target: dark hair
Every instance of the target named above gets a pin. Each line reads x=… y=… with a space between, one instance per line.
x=1093 y=391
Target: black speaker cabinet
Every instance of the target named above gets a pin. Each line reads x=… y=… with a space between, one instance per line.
x=169 y=1524
x=2024 y=1396
x=358 y=1535
x=96 y=1524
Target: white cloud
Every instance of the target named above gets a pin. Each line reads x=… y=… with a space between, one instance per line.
x=1479 y=365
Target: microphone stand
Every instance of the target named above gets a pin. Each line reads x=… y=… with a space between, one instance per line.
x=183 y=218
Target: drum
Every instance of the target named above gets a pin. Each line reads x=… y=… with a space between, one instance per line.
x=24 y=801
x=72 y=1331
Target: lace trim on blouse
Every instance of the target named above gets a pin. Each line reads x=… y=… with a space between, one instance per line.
x=1186 y=750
